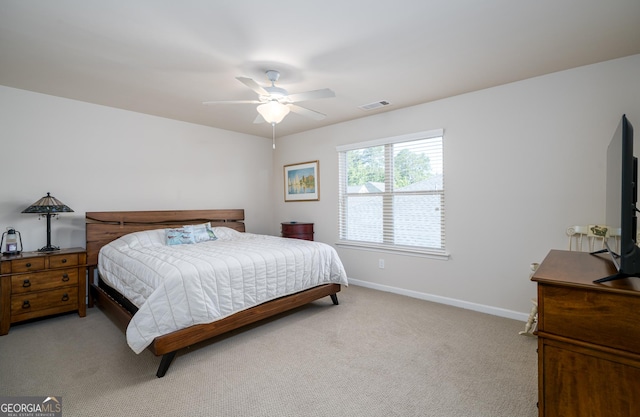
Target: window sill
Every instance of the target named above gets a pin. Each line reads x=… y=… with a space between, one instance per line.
x=400 y=250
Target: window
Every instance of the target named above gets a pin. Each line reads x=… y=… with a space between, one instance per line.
x=392 y=193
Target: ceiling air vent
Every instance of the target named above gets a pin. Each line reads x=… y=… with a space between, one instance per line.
x=376 y=105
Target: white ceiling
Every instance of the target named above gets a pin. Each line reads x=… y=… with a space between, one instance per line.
x=164 y=57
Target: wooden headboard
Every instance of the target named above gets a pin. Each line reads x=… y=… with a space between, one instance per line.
x=104 y=226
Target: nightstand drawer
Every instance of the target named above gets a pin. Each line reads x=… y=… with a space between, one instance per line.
x=297 y=230
x=62 y=261
x=26 y=265
x=44 y=280
x=32 y=304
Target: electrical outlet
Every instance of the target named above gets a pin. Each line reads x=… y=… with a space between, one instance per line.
x=381 y=263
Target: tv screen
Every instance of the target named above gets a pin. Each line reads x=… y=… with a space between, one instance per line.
x=621 y=194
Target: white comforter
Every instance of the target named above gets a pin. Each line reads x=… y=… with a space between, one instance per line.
x=178 y=286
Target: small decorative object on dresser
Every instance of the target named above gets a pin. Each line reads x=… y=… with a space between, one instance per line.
x=13 y=242
x=38 y=284
x=297 y=230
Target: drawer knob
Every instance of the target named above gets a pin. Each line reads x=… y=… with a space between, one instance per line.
x=65 y=297
x=64 y=261
x=26 y=283
x=65 y=277
x=25 y=304
x=28 y=265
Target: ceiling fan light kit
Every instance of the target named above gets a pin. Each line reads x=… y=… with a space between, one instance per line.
x=273 y=111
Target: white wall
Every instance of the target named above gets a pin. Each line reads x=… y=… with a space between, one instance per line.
x=96 y=158
x=523 y=162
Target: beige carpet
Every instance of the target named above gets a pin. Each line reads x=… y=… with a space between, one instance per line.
x=376 y=354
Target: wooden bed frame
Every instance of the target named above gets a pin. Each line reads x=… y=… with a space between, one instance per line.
x=103 y=227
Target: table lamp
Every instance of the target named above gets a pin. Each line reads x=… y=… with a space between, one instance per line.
x=48 y=206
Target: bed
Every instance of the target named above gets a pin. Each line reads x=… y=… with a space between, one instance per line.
x=234 y=278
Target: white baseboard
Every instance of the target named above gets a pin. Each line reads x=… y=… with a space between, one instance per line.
x=496 y=311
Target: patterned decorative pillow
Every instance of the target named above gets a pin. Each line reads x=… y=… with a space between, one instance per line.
x=179 y=236
x=202 y=232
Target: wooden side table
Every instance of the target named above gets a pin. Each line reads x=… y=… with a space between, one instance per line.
x=297 y=230
x=40 y=284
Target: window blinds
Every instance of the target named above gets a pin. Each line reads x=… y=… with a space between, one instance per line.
x=391 y=193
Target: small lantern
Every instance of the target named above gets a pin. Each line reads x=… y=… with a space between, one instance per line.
x=13 y=245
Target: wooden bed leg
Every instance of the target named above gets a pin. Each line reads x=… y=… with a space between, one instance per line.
x=165 y=362
x=334 y=298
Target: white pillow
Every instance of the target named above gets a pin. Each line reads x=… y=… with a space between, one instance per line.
x=145 y=238
x=226 y=233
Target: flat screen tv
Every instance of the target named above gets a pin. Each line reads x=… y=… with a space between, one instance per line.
x=622 y=176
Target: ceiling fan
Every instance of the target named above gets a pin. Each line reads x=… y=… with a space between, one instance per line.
x=275 y=102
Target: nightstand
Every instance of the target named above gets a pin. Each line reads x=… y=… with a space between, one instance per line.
x=297 y=230
x=39 y=284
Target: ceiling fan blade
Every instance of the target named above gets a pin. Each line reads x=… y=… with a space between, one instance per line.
x=253 y=85
x=233 y=102
x=311 y=95
x=303 y=111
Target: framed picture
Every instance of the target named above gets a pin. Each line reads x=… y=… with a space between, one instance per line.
x=302 y=181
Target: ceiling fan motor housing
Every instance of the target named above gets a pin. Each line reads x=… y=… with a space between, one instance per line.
x=273 y=75
x=275 y=93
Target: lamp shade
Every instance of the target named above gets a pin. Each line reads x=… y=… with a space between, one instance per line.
x=273 y=111
x=47 y=204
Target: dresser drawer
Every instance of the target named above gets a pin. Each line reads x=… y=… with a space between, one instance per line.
x=27 y=265
x=603 y=318
x=43 y=280
x=32 y=304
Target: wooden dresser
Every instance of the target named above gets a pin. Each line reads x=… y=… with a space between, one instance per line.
x=297 y=230
x=588 y=338
x=38 y=284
